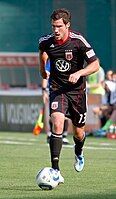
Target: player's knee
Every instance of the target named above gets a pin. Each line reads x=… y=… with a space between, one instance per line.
x=79 y=133
x=58 y=126
x=58 y=122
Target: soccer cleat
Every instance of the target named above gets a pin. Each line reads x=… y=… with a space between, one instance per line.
x=79 y=162
x=65 y=140
x=61 y=179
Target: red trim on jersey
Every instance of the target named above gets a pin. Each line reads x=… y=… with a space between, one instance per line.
x=61 y=41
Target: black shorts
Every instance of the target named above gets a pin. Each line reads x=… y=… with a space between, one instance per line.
x=72 y=104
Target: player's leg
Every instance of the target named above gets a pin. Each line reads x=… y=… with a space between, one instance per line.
x=79 y=139
x=78 y=117
x=65 y=132
x=64 y=135
x=57 y=119
x=58 y=108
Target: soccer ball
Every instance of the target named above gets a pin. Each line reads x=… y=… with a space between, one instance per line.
x=47 y=178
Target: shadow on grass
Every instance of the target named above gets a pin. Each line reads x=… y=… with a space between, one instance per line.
x=81 y=196
x=68 y=197
x=52 y=195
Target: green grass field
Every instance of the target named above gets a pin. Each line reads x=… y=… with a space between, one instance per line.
x=23 y=154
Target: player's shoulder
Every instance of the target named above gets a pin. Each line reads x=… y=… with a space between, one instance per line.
x=75 y=35
x=79 y=37
x=45 y=38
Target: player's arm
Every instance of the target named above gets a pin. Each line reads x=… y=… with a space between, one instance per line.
x=45 y=90
x=44 y=84
x=42 y=62
x=90 y=68
x=89 y=56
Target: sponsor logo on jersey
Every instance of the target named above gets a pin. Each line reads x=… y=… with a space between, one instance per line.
x=68 y=55
x=62 y=65
x=54 y=105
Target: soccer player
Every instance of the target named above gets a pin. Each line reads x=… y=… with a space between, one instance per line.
x=67 y=50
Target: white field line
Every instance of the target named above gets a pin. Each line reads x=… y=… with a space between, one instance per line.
x=14 y=142
x=24 y=141
x=19 y=139
x=92 y=147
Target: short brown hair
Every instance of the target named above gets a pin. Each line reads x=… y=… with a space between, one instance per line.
x=61 y=13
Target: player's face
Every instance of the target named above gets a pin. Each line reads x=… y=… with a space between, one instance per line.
x=60 y=29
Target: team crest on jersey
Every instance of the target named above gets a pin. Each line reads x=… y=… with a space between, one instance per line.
x=68 y=54
x=54 y=105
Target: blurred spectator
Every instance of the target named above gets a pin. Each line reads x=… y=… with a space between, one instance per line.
x=109 y=85
x=109 y=75
x=95 y=83
x=108 y=111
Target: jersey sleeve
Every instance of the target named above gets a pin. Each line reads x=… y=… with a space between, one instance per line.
x=86 y=50
x=44 y=42
x=41 y=45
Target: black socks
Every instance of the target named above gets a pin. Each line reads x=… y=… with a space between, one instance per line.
x=55 y=149
x=78 y=145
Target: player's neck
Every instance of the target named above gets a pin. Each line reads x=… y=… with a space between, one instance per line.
x=64 y=39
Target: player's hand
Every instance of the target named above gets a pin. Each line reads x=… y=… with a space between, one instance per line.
x=73 y=78
x=45 y=74
x=48 y=74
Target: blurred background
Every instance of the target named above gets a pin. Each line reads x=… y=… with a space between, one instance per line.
x=21 y=24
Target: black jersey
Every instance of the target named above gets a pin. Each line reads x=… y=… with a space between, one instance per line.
x=67 y=58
